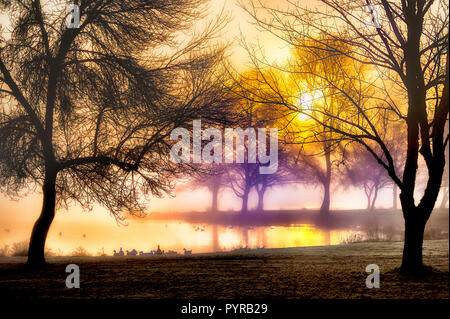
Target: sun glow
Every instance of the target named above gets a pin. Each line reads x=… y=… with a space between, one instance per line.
x=305 y=104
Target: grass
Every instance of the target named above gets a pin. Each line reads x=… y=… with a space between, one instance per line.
x=303 y=272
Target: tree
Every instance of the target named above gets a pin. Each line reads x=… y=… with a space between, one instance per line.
x=407 y=83
x=308 y=98
x=87 y=112
x=254 y=113
x=211 y=177
x=363 y=171
x=241 y=178
x=215 y=182
x=317 y=100
x=284 y=175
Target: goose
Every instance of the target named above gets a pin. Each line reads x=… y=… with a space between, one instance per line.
x=132 y=252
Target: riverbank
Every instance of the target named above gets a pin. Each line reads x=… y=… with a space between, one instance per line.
x=294 y=273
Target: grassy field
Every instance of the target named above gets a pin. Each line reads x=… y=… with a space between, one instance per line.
x=307 y=272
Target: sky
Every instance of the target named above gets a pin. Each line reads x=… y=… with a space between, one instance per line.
x=97 y=228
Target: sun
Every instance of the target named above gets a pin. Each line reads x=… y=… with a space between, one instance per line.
x=306 y=103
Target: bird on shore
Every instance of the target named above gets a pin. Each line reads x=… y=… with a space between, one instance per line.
x=120 y=253
x=132 y=252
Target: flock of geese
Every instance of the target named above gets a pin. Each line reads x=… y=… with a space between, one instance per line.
x=157 y=252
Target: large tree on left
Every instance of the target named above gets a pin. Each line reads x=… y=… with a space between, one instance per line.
x=86 y=112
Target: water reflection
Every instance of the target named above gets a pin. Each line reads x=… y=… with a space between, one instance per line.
x=200 y=238
x=278 y=237
x=203 y=238
x=98 y=237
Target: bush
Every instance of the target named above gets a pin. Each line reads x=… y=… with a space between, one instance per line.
x=374 y=233
x=49 y=253
x=352 y=238
x=19 y=249
x=4 y=251
x=80 y=252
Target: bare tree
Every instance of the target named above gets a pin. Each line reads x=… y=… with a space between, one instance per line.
x=286 y=174
x=404 y=47
x=241 y=178
x=363 y=171
x=279 y=86
x=86 y=112
x=214 y=184
x=211 y=177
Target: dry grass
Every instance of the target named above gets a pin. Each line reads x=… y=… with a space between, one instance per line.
x=306 y=272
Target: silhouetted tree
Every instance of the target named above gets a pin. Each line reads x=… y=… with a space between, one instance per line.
x=86 y=112
x=264 y=182
x=212 y=178
x=241 y=178
x=363 y=171
x=269 y=85
x=405 y=54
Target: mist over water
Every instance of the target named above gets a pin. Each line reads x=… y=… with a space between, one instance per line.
x=205 y=236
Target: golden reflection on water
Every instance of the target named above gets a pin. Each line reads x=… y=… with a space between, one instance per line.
x=200 y=238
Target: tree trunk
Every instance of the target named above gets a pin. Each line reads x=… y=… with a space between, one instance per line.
x=325 y=208
x=368 y=192
x=261 y=193
x=244 y=208
x=412 y=249
x=215 y=195
x=36 y=256
x=374 y=199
